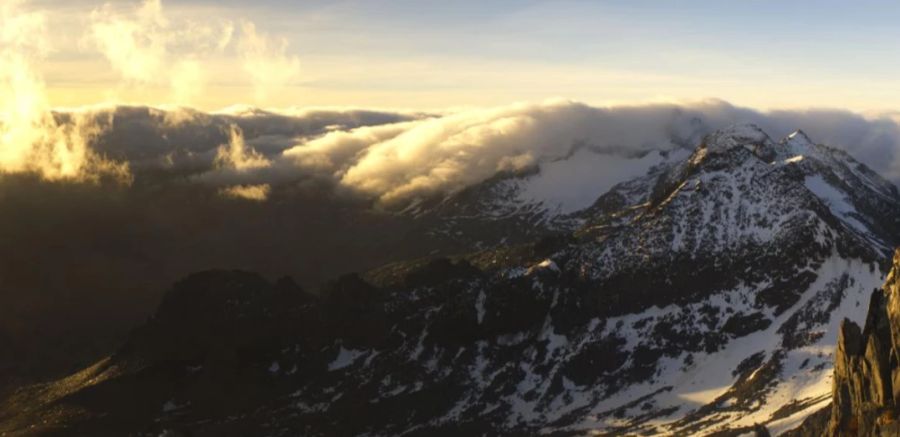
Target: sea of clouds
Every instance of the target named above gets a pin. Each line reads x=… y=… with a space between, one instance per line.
x=395 y=157
x=391 y=157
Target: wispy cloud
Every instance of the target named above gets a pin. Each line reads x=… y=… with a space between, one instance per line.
x=266 y=60
x=31 y=139
x=147 y=47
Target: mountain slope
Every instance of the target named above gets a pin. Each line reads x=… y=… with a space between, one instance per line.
x=700 y=298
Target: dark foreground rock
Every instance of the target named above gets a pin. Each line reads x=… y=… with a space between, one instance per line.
x=866 y=384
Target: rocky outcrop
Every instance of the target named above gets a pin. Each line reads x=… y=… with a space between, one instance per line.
x=866 y=370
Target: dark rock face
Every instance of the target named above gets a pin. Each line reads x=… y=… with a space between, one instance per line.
x=866 y=368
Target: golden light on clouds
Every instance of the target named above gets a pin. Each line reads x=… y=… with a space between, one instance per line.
x=266 y=61
x=82 y=53
x=135 y=46
x=148 y=51
x=31 y=139
x=238 y=155
x=146 y=47
x=256 y=193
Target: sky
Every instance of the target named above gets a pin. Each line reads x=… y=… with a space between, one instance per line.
x=440 y=54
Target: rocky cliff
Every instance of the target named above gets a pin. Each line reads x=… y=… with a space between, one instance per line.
x=866 y=369
x=866 y=384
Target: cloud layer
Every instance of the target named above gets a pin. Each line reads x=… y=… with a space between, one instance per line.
x=396 y=157
x=442 y=154
x=391 y=157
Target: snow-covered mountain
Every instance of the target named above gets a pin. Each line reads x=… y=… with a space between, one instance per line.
x=555 y=197
x=702 y=296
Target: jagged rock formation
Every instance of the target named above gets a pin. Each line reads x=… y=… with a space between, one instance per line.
x=866 y=371
x=701 y=298
x=863 y=397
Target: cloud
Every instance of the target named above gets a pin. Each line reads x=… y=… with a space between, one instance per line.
x=398 y=157
x=395 y=157
x=399 y=162
x=265 y=60
x=135 y=46
x=31 y=139
x=237 y=155
x=184 y=141
x=450 y=152
x=257 y=193
x=146 y=47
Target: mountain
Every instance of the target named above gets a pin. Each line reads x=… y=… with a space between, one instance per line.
x=512 y=208
x=701 y=297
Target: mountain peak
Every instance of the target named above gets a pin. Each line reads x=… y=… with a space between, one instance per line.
x=742 y=132
x=799 y=135
x=747 y=135
x=798 y=142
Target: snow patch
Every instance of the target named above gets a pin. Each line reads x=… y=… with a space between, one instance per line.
x=837 y=202
x=574 y=183
x=479 y=305
x=345 y=358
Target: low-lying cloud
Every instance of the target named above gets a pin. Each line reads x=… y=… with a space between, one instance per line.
x=397 y=162
x=389 y=157
x=396 y=157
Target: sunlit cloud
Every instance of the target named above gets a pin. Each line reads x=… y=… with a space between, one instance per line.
x=392 y=158
x=256 y=193
x=148 y=48
x=266 y=61
x=399 y=162
x=135 y=46
x=460 y=149
x=238 y=155
x=31 y=139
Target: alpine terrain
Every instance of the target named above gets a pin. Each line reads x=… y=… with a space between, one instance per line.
x=702 y=295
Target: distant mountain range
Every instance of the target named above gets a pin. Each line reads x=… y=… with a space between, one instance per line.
x=699 y=293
